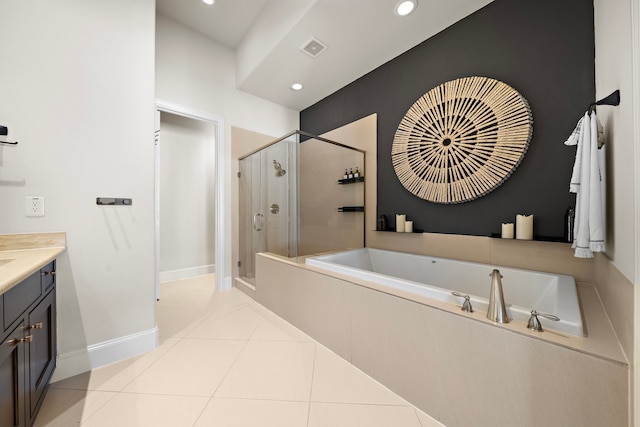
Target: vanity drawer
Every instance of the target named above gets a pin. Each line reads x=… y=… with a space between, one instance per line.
x=19 y=298
x=48 y=276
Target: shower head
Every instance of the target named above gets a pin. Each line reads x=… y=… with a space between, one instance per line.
x=279 y=170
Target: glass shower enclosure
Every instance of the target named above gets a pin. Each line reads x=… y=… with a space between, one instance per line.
x=294 y=200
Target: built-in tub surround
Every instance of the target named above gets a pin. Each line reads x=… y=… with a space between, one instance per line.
x=437 y=277
x=436 y=356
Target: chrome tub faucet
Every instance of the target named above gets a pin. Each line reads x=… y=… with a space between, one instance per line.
x=497 y=311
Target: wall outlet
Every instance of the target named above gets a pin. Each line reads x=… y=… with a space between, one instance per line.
x=34 y=205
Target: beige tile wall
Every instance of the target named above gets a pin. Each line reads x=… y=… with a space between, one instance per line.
x=617 y=294
x=363 y=135
x=532 y=255
x=460 y=371
x=322 y=228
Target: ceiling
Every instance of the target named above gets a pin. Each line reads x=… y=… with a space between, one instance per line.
x=267 y=36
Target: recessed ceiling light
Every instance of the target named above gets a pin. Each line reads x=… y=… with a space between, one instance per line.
x=209 y=1
x=405 y=7
x=296 y=86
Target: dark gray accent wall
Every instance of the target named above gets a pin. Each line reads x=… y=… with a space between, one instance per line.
x=542 y=48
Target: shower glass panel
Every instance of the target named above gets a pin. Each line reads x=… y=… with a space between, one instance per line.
x=294 y=200
x=267 y=204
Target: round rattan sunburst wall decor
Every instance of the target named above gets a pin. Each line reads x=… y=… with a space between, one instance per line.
x=462 y=139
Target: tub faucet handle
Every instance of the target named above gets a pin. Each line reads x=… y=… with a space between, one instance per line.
x=466 y=305
x=534 y=323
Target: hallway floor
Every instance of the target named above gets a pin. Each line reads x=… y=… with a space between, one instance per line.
x=225 y=360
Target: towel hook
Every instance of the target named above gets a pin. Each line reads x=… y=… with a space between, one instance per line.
x=613 y=99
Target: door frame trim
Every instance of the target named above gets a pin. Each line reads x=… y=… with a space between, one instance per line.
x=222 y=192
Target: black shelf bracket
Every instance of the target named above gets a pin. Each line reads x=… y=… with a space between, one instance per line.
x=5 y=131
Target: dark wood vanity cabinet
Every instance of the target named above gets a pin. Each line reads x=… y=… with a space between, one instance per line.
x=27 y=346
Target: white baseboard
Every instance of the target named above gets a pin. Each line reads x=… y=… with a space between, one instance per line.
x=185 y=273
x=104 y=353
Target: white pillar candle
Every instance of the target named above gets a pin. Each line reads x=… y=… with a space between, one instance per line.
x=507 y=230
x=408 y=227
x=524 y=227
x=400 y=220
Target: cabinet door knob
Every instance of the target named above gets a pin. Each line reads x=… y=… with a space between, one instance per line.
x=36 y=326
x=46 y=273
x=16 y=341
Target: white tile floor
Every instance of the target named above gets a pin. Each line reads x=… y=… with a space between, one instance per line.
x=225 y=360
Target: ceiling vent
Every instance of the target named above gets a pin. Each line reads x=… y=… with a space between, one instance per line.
x=313 y=48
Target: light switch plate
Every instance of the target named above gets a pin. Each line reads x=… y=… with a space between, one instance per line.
x=34 y=206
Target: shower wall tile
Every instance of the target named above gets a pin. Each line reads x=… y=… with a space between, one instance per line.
x=363 y=135
x=322 y=228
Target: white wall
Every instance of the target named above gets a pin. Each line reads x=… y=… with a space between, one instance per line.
x=77 y=92
x=617 y=36
x=187 y=197
x=195 y=72
x=613 y=37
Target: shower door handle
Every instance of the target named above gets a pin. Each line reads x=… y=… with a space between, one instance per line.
x=258 y=225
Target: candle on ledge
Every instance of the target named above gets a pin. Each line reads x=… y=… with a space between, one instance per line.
x=400 y=221
x=524 y=227
x=408 y=227
x=507 y=230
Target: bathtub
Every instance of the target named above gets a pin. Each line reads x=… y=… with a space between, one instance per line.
x=435 y=278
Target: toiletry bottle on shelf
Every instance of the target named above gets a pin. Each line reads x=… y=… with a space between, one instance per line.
x=351 y=173
x=346 y=175
x=382 y=223
x=356 y=174
x=569 y=220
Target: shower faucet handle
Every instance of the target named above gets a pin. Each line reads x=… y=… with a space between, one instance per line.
x=258 y=225
x=466 y=305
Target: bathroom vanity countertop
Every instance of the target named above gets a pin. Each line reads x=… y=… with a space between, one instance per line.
x=23 y=254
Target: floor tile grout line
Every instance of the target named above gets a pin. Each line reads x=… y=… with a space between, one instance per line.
x=115 y=394
x=151 y=364
x=246 y=342
x=387 y=405
x=313 y=372
x=204 y=408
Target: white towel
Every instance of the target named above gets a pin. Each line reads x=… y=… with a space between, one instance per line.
x=587 y=181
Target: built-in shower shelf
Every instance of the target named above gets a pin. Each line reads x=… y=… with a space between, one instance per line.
x=351 y=180
x=351 y=209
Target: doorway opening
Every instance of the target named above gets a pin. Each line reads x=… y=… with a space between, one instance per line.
x=189 y=198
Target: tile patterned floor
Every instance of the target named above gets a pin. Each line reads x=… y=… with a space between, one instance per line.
x=225 y=360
